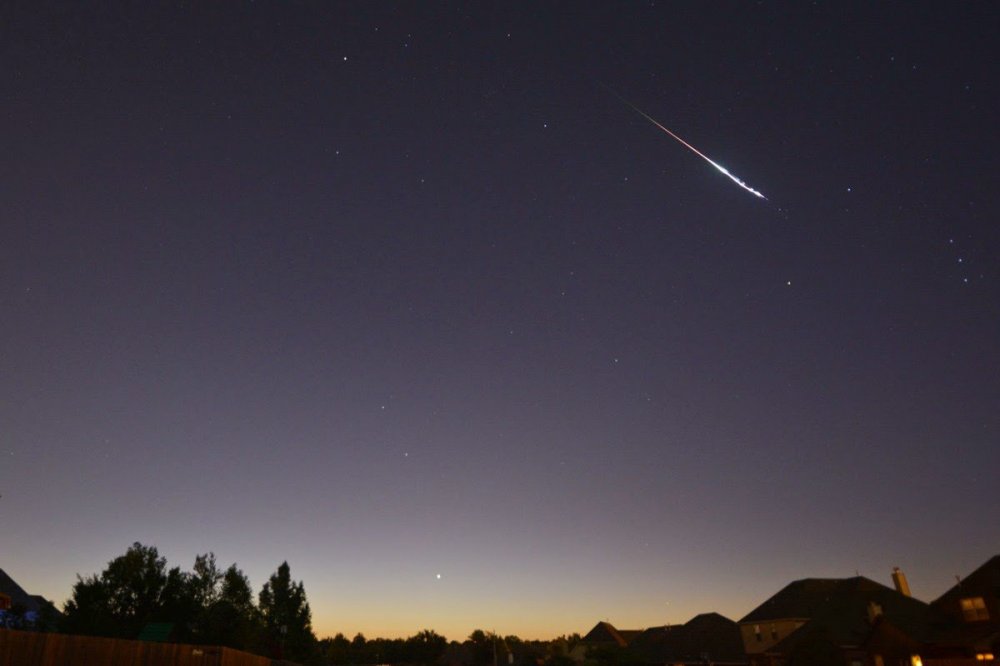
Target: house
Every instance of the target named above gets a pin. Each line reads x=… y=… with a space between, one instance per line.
x=18 y=609
x=853 y=621
x=602 y=636
x=705 y=638
x=966 y=619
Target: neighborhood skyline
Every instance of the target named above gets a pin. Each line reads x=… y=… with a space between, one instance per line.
x=401 y=294
x=627 y=618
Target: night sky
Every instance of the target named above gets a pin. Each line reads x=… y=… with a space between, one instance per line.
x=403 y=294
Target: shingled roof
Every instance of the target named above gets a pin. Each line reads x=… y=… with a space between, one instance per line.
x=800 y=599
x=707 y=635
x=951 y=628
x=840 y=610
x=604 y=632
x=984 y=581
x=35 y=605
x=32 y=603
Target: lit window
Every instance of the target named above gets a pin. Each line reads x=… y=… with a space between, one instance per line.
x=974 y=609
x=984 y=656
x=915 y=660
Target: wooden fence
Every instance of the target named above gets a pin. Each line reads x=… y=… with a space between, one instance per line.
x=24 y=648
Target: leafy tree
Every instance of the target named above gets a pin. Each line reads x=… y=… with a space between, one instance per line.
x=236 y=590
x=486 y=645
x=425 y=647
x=205 y=605
x=557 y=650
x=232 y=618
x=336 y=650
x=205 y=580
x=130 y=592
x=287 y=617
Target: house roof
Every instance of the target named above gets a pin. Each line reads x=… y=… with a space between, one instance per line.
x=799 y=599
x=708 y=634
x=605 y=632
x=32 y=602
x=984 y=581
x=839 y=610
x=629 y=635
x=950 y=628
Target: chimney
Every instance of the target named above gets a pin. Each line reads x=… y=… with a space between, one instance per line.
x=899 y=580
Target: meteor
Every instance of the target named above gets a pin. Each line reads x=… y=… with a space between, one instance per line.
x=691 y=148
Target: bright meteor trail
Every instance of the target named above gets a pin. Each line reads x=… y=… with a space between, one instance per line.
x=692 y=148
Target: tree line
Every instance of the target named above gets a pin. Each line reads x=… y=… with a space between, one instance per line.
x=211 y=606
x=206 y=605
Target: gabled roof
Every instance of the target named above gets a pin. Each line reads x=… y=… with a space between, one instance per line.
x=984 y=581
x=32 y=603
x=604 y=632
x=654 y=635
x=629 y=635
x=951 y=628
x=839 y=610
x=708 y=634
x=799 y=599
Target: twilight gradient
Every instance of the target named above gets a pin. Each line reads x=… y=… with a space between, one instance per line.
x=393 y=291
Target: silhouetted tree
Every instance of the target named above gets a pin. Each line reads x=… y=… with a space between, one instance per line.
x=286 y=615
x=425 y=647
x=205 y=605
x=336 y=650
x=130 y=592
x=232 y=619
x=205 y=580
x=486 y=645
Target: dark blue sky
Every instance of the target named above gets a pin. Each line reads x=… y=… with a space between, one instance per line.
x=392 y=291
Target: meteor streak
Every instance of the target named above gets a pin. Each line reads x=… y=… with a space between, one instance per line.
x=692 y=148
